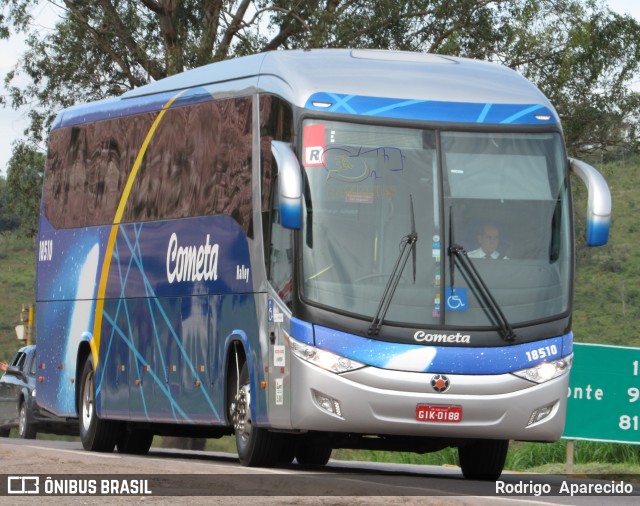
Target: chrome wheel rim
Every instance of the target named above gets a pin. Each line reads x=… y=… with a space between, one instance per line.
x=241 y=413
x=22 y=422
x=87 y=402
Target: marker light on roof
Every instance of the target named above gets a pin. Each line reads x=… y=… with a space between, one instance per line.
x=543 y=117
x=323 y=105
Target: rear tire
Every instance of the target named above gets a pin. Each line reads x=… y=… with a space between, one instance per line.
x=134 y=441
x=26 y=430
x=96 y=435
x=483 y=459
x=257 y=447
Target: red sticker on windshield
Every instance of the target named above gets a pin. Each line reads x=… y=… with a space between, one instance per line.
x=314 y=145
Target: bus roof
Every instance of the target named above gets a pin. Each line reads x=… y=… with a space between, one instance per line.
x=354 y=81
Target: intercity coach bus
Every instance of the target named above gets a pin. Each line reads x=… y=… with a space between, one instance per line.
x=291 y=247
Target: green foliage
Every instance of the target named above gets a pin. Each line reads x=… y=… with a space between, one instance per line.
x=607 y=291
x=531 y=456
x=523 y=456
x=17 y=287
x=24 y=186
x=589 y=457
x=582 y=55
x=8 y=219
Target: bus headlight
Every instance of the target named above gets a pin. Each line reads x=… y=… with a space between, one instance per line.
x=546 y=370
x=323 y=358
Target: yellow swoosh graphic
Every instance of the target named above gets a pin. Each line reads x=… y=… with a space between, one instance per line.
x=124 y=198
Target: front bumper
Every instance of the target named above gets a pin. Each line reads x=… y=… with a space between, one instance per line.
x=383 y=402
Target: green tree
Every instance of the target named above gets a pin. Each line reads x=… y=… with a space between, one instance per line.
x=581 y=54
x=583 y=58
x=8 y=219
x=24 y=186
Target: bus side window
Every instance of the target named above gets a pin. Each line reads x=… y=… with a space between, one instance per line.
x=280 y=254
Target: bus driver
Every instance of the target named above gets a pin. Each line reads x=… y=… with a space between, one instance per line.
x=488 y=238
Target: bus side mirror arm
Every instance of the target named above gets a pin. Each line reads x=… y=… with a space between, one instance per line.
x=599 y=202
x=289 y=185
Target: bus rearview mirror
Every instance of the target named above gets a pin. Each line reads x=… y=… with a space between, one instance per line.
x=289 y=185
x=599 y=202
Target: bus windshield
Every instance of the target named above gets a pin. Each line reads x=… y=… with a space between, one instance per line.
x=501 y=197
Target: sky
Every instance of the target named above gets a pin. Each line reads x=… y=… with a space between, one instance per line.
x=13 y=123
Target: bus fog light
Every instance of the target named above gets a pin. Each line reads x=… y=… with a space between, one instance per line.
x=546 y=370
x=327 y=403
x=540 y=414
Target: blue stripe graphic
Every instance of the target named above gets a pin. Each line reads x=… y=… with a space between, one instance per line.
x=447 y=359
x=433 y=110
x=124 y=272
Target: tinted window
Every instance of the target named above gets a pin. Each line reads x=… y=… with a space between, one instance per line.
x=198 y=162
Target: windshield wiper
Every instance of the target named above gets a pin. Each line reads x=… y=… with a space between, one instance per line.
x=408 y=243
x=477 y=284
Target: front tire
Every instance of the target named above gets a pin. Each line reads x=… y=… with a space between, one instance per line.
x=483 y=459
x=256 y=447
x=288 y=450
x=26 y=430
x=96 y=435
x=313 y=455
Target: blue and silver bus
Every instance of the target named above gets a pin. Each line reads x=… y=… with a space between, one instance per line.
x=313 y=250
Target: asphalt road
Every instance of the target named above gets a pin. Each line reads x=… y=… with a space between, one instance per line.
x=179 y=477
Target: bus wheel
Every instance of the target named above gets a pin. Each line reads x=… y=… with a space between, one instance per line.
x=288 y=450
x=483 y=459
x=313 y=455
x=96 y=435
x=134 y=441
x=26 y=430
x=256 y=446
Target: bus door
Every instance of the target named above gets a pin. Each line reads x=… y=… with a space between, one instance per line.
x=280 y=256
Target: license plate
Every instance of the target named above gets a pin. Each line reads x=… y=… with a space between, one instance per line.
x=438 y=414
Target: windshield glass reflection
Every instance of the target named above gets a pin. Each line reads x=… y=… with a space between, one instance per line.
x=506 y=192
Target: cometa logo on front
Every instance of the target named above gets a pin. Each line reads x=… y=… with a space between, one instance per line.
x=422 y=337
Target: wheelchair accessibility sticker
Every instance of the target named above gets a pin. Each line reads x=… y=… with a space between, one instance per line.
x=456 y=299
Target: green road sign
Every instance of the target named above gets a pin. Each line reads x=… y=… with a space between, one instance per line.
x=604 y=394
